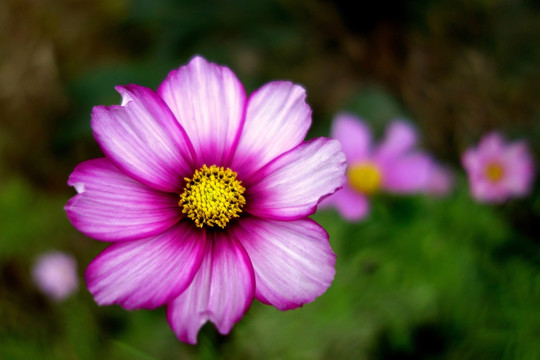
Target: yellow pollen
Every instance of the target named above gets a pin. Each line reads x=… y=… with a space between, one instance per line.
x=365 y=177
x=494 y=172
x=213 y=196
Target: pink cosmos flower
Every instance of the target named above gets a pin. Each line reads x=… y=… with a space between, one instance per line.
x=393 y=165
x=55 y=273
x=497 y=170
x=205 y=194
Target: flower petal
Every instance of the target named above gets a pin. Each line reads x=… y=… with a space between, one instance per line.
x=519 y=168
x=277 y=119
x=221 y=291
x=143 y=139
x=490 y=149
x=471 y=161
x=491 y=146
x=409 y=173
x=354 y=135
x=208 y=100
x=112 y=206
x=485 y=191
x=400 y=137
x=291 y=186
x=147 y=273
x=293 y=261
x=352 y=205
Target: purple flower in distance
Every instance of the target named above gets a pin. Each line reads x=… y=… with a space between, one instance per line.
x=392 y=166
x=55 y=273
x=498 y=170
x=205 y=195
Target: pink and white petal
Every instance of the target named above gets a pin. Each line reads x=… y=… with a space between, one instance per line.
x=209 y=101
x=480 y=187
x=485 y=191
x=520 y=178
x=221 y=292
x=352 y=205
x=400 y=137
x=147 y=273
x=471 y=161
x=291 y=186
x=354 y=135
x=518 y=160
x=491 y=145
x=293 y=260
x=111 y=206
x=517 y=186
x=480 y=190
x=277 y=120
x=409 y=173
x=143 y=138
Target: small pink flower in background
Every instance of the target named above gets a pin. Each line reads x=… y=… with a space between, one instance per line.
x=205 y=194
x=55 y=273
x=498 y=170
x=394 y=165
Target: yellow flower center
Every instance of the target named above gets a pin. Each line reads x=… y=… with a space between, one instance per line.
x=494 y=172
x=213 y=196
x=365 y=177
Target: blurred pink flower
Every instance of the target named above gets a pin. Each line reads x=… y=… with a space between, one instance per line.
x=440 y=180
x=393 y=165
x=498 y=170
x=55 y=273
x=205 y=195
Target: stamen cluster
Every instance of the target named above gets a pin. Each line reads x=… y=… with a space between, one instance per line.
x=494 y=172
x=365 y=177
x=213 y=196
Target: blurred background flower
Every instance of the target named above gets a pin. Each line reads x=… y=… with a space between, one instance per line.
x=422 y=278
x=497 y=170
x=55 y=274
x=393 y=165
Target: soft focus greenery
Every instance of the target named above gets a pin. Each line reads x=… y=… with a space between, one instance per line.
x=421 y=278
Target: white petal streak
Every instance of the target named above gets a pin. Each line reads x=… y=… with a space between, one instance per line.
x=147 y=273
x=111 y=206
x=277 y=120
x=143 y=138
x=221 y=292
x=291 y=186
x=209 y=102
x=293 y=260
